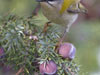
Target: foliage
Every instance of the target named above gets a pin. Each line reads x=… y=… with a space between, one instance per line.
x=22 y=51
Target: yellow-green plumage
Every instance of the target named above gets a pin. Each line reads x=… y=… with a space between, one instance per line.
x=66 y=5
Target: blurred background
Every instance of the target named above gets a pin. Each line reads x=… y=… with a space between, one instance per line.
x=84 y=33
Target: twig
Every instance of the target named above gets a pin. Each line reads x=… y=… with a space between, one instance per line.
x=69 y=70
x=36 y=10
x=20 y=71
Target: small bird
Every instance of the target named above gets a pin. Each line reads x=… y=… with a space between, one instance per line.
x=62 y=12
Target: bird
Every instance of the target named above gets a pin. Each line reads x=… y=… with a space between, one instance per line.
x=62 y=12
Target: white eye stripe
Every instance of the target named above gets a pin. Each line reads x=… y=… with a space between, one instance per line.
x=52 y=2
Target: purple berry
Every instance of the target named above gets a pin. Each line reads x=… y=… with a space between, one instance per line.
x=48 y=68
x=1 y=52
x=67 y=50
x=6 y=68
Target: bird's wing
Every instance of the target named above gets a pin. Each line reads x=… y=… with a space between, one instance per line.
x=77 y=8
x=82 y=8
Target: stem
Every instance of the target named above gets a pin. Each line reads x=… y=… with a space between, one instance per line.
x=20 y=70
x=61 y=39
x=36 y=10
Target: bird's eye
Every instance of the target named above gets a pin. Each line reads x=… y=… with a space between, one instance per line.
x=50 y=0
x=44 y=0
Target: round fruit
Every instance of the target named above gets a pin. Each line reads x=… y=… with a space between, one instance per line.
x=67 y=50
x=1 y=52
x=48 y=68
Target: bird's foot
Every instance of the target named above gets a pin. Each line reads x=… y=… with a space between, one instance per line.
x=61 y=40
x=46 y=27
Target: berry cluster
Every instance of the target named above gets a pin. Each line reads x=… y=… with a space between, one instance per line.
x=28 y=50
x=66 y=50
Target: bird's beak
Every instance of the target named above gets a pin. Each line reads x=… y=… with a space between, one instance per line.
x=40 y=0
